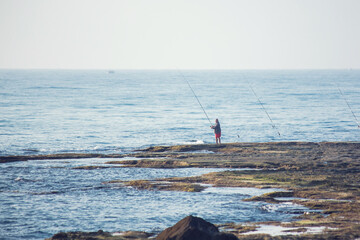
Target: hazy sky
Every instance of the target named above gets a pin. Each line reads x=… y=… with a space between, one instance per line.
x=184 y=34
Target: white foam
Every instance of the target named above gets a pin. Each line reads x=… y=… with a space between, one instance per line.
x=280 y=230
x=197 y=141
x=202 y=151
x=239 y=190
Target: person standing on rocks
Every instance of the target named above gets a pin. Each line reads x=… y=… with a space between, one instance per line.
x=217 y=130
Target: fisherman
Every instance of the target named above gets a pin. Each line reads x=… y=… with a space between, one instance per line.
x=217 y=131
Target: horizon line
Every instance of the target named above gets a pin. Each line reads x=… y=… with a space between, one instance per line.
x=177 y=69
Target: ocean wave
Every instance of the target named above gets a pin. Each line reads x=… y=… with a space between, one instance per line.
x=22 y=179
x=287 y=207
x=195 y=141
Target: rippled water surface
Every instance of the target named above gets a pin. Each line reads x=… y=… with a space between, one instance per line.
x=41 y=198
x=44 y=111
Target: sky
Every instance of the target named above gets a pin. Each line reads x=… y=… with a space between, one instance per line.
x=180 y=34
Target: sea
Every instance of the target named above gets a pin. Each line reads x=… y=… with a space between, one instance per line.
x=120 y=111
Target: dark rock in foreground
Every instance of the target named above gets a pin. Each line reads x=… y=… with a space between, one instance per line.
x=191 y=228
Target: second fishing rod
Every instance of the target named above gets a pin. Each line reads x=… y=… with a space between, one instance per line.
x=262 y=106
x=192 y=90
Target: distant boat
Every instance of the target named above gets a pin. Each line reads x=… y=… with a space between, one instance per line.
x=111 y=71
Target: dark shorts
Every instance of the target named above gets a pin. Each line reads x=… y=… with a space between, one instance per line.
x=217 y=135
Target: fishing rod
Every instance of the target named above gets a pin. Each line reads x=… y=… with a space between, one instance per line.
x=195 y=96
x=272 y=123
x=357 y=121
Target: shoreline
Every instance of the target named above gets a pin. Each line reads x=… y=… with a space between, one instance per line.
x=322 y=176
x=157 y=150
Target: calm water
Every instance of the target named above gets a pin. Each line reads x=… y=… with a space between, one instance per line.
x=94 y=111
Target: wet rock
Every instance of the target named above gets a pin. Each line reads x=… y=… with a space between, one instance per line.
x=81 y=235
x=135 y=235
x=90 y=167
x=60 y=235
x=160 y=185
x=191 y=228
x=101 y=235
x=153 y=163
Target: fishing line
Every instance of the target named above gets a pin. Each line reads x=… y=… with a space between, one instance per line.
x=272 y=123
x=357 y=121
x=195 y=96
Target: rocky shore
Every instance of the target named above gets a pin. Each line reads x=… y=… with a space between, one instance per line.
x=323 y=176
